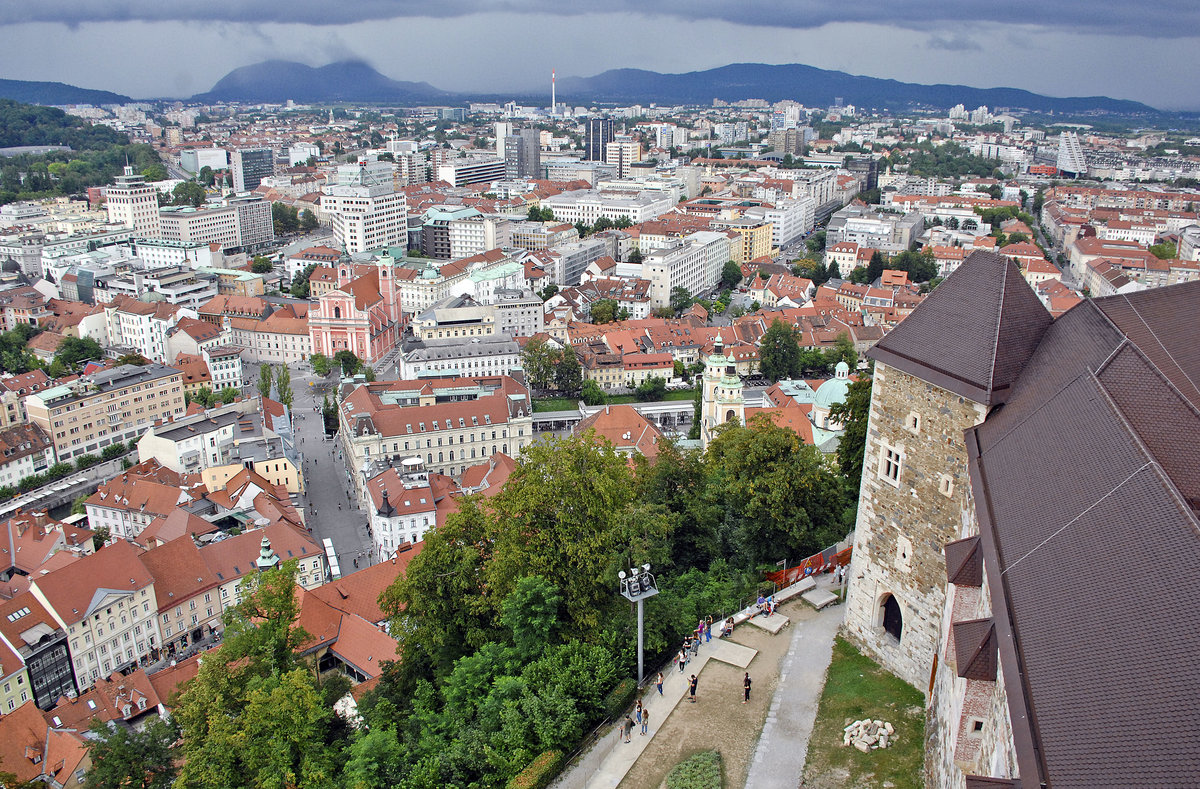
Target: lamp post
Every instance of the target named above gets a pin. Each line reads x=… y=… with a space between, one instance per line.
x=636 y=586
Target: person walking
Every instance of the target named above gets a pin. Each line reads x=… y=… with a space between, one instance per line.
x=708 y=630
x=628 y=728
x=659 y=683
x=692 y=688
x=637 y=712
x=682 y=660
x=645 y=721
x=746 y=688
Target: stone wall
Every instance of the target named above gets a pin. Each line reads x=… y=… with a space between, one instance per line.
x=953 y=748
x=902 y=528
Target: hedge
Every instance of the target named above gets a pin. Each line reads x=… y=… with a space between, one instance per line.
x=619 y=698
x=539 y=773
x=702 y=771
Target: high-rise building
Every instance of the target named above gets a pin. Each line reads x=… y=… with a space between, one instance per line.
x=133 y=203
x=600 y=132
x=1071 y=160
x=504 y=130
x=367 y=211
x=523 y=154
x=249 y=166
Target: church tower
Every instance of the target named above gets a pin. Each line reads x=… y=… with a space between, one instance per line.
x=936 y=374
x=721 y=399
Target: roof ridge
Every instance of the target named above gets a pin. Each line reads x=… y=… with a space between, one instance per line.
x=999 y=324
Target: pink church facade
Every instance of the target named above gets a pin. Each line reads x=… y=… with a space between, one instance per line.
x=362 y=315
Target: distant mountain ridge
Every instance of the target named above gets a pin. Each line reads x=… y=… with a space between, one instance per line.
x=818 y=87
x=56 y=93
x=276 y=81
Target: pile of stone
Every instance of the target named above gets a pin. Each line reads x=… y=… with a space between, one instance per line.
x=867 y=734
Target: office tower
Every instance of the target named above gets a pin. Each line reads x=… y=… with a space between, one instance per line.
x=600 y=132
x=249 y=166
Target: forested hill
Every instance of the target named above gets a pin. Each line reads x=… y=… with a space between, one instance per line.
x=57 y=93
x=97 y=153
x=28 y=124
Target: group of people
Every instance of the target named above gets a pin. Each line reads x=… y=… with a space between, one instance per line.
x=765 y=605
x=641 y=716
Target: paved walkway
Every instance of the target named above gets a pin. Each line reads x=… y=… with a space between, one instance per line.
x=779 y=758
x=617 y=756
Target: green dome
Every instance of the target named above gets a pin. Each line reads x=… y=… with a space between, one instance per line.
x=832 y=392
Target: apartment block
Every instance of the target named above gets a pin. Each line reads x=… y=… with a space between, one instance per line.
x=86 y=415
x=451 y=423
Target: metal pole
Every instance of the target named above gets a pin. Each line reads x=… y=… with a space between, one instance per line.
x=640 y=674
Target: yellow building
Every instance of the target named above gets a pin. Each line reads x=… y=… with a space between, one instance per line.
x=756 y=237
x=276 y=470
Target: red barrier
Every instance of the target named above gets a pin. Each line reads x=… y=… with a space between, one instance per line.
x=822 y=562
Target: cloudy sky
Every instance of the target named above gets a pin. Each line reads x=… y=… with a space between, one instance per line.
x=1146 y=50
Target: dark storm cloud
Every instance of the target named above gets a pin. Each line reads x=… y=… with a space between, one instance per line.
x=1154 y=18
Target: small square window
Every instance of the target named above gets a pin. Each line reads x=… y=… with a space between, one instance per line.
x=912 y=422
x=946 y=485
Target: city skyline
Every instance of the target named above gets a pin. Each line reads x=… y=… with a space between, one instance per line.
x=1042 y=50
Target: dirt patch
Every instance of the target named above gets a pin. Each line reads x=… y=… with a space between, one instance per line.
x=718 y=720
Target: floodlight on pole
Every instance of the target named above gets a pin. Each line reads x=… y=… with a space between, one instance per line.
x=637 y=585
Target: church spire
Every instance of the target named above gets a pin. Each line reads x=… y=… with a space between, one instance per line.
x=266 y=555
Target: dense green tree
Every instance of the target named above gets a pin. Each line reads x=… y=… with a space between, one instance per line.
x=188 y=193
x=285 y=218
x=852 y=414
x=559 y=516
x=652 y=389
x=816 y=242
x=779 y=352
x=329 y=415
x=603 y=311
x=73 y=351
x=320 y=364
x=731 y=275
x=206 y=176
x=299 y=287
x=154 y=172
x=123 y=757
x=265 y=376
x=440 y=609
x=636 y=258
x=1164 y=251
x=780 y=498
x=261 y=265
x=136 y=359
x=308 y=221
x=568 y=372
x=283 y=385
x=349 y=363
x=681 y=299
x=592 y=394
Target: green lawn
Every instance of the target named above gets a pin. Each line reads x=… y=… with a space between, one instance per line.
x=555 y=404
x=856 y=688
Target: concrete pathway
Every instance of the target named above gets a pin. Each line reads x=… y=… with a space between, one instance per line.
x=779 y=758
x=616 y=757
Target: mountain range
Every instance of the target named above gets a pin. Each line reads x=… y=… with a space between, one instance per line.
x=276 y=81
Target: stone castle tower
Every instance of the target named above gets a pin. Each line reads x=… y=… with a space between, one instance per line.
x=721 y=398
x=936 y=374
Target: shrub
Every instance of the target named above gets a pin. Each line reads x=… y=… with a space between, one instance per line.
x=539 y=773
x=86 y=461
x=702 y=771
x=620 y=697
x=114 y=451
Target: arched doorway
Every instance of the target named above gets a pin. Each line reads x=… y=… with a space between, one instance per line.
x=893 y=619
